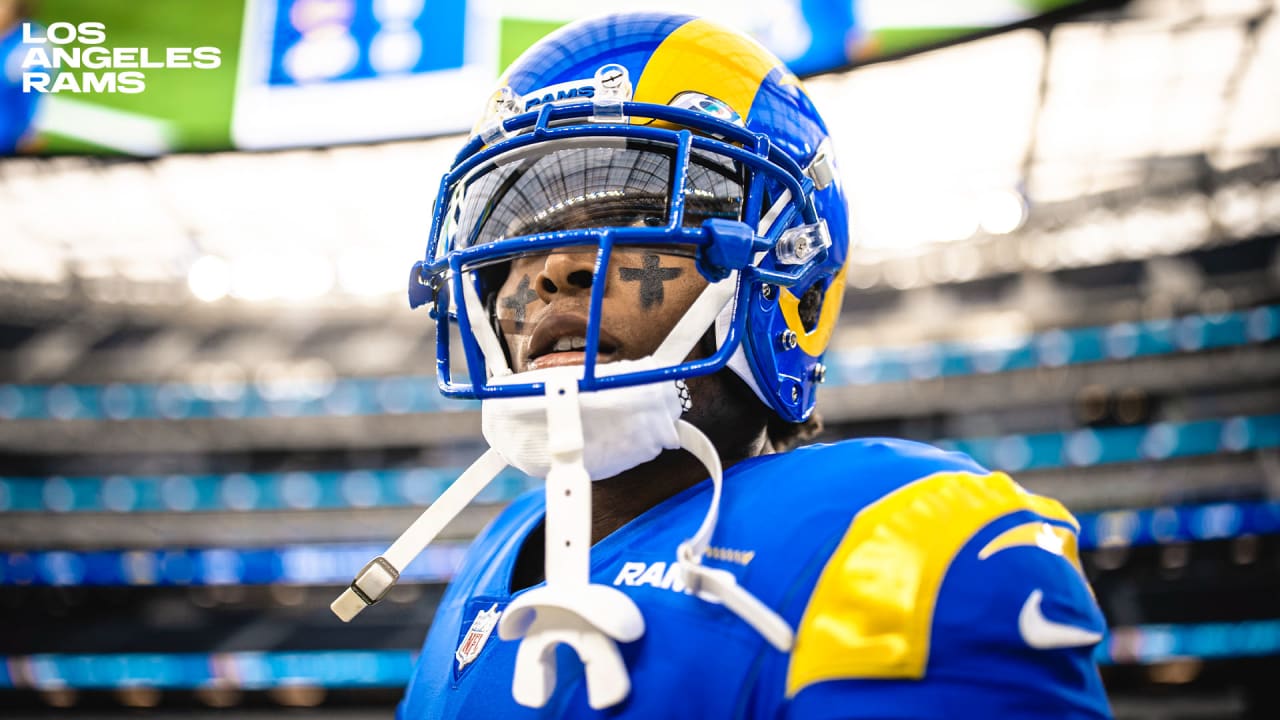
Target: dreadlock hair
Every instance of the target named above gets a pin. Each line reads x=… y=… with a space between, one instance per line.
x=784 y=436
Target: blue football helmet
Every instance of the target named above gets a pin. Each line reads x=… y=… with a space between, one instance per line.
x=675 y=135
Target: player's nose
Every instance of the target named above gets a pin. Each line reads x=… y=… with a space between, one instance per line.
x=566 y=273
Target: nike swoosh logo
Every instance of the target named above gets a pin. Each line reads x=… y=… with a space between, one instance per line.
x=1042 y=633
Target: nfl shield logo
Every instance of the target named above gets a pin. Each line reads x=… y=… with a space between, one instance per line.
x=473 y=642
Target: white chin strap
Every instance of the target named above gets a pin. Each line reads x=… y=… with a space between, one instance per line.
x=569 y=609
x=716 y=585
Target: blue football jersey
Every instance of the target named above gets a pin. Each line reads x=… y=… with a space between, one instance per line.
x=919 y=584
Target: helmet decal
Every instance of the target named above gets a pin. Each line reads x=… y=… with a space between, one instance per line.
x=728 y=61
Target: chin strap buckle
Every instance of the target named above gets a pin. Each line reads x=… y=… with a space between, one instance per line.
x=376 y=579
x=371 y=584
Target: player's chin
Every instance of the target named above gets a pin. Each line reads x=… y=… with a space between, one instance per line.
x=572 y=357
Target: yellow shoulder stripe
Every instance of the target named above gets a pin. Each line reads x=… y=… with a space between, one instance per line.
x=871 y=612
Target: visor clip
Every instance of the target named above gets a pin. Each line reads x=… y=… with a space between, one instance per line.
x=800 y=244
x=612 y=88
x=503 y=104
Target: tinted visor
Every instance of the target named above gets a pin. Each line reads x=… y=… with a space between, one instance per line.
x=587 y=183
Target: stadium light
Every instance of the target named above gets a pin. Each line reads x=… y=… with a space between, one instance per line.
x=1003 y=211
x=209 y=278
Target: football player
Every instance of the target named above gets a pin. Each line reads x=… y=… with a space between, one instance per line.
x=641 y=250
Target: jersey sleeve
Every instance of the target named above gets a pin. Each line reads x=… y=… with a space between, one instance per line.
x=958 y=594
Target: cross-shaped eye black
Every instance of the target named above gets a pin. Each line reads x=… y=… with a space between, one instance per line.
x=516 y=303
x=651 y=278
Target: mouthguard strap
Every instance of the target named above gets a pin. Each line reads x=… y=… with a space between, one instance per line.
x=569 y=609
x=568 y=487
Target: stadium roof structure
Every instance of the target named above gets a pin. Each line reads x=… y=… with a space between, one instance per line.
x=1132 y=136
x=1141 y=132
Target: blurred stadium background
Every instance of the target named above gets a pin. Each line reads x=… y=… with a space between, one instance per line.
x=215 y=405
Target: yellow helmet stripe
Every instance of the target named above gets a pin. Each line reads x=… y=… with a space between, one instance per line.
x=815 y=342
x=709 y=59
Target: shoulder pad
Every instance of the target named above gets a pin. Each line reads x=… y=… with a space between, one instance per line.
x=872 y=610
